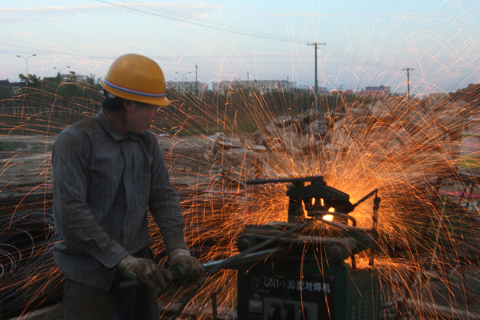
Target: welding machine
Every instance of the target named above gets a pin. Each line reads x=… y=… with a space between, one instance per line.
x=310 y=274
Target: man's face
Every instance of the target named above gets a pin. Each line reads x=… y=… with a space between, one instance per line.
x=140 y=116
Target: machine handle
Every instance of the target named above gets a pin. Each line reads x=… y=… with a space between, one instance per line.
x=176 y=275
x=365 y=198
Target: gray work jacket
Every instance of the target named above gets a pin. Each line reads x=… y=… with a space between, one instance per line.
x=103 y=181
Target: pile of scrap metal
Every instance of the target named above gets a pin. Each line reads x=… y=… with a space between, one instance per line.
x=25 y=197
x=394 y=126
x=235 y=160
x=302 y=133
x=245 y=156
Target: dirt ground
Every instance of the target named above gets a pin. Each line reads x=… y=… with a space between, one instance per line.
x=25 y=160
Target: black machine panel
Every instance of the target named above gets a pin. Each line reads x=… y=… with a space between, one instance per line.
x=272 y=296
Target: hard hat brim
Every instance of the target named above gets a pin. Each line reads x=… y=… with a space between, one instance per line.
x=156 y=99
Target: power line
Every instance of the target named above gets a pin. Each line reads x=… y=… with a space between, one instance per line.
x=188 y=19
x=152 y=10
x=169 y=14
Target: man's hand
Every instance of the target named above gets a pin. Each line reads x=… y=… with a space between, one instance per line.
x=192 y=268
x=146 y=271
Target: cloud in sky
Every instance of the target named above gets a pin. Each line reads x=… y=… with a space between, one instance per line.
x=191 y=10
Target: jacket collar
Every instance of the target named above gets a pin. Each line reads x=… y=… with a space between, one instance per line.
x=110 y=128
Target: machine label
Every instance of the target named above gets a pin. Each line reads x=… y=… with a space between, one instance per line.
x=312 y=286
x=285 y=292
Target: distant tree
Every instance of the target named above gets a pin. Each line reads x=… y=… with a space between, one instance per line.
x=5 y=92
x=58 y=77
x=30 y=80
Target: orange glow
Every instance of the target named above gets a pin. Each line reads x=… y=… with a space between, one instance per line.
x=328 y=217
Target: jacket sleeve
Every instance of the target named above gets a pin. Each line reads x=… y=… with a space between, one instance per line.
x=164 y=202
x=73 y=217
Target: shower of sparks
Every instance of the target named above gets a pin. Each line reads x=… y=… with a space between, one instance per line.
x=404 y=154
x=407 y=148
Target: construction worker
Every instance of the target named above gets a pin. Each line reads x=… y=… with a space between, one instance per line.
x=107 y=169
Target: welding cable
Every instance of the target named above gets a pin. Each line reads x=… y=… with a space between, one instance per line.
x=12 y=264
x=16 y=232
x=10 y=258
x=15 y=249
x=232 y=260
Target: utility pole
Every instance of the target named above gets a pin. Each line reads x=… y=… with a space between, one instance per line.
x=196 y=81
x=248 y=80
x=408 y=79
x=316 y=44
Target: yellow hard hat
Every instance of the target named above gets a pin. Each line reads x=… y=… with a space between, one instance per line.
x=137 y=78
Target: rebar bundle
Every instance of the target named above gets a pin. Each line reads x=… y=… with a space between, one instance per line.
x=28 y=275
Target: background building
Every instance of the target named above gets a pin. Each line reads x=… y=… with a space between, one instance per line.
x=187 y=86
x=262 y=86
x=380 y=91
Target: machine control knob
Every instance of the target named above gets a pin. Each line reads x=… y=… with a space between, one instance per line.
x=301 y=313
x=274 y=312
x=245 y=242
x=336 y=252
x=288 y=311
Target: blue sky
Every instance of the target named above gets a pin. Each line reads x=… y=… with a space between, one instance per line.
x=366 y=42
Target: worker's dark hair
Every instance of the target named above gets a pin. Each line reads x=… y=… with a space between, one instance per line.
x=112 y=103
